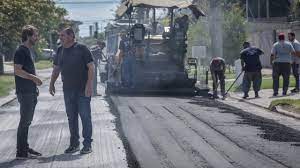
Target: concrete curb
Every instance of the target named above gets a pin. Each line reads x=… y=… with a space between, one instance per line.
x=278 y=110
x=8 y=99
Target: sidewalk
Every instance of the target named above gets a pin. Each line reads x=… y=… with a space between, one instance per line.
x=266 y=97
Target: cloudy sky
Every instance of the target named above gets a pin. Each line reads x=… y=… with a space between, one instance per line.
x=89 y=12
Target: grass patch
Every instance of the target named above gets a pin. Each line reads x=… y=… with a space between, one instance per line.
x=43 y=64
x=293 y=103
x=267 y=83
x=7 y=83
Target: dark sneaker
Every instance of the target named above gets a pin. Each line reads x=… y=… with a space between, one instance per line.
x=284 y=93
x=275 y=94
x=216 y=97
x=24 y=156
x=33 y=152
x=256 y=95
x=86 y=150
x=245 y=96
x=295 y=91
x=72 y=149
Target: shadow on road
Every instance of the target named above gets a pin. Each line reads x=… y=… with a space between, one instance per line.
x=271 y=130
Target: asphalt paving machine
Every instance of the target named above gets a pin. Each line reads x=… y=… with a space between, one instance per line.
x=161 y=64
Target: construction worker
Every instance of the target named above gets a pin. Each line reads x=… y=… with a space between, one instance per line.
x=281 y=58
x=217 y=69
x=127 y=57
x=96 y=52
x=295 y=60
x=252 y=66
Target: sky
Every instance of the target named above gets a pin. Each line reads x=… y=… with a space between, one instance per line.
x=89 y=13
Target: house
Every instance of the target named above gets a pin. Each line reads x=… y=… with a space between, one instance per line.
x=266 y=18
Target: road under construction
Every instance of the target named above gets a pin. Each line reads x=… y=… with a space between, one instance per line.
x=194 y=131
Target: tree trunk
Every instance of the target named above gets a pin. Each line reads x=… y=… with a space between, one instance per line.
x=1 y=65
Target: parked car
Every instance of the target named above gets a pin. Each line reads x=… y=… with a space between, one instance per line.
x=48 y=53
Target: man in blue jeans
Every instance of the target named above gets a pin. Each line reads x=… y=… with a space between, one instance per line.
x=75 y=63
x=26 y=89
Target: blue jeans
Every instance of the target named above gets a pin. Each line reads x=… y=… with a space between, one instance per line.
x=128 y=71
x=27 y=103
x=76 y=103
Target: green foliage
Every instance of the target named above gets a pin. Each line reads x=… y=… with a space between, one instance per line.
x=6 y=84
x=295 y=8
x=234 y=33
x=234 y=29
x=198 y=35
x=267 y=83
x=14 y=14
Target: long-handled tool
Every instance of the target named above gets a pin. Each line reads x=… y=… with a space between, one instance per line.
x=233 y=83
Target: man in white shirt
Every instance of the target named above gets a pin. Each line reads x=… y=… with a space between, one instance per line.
x=281 y=58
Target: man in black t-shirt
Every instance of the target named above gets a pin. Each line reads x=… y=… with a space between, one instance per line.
x=75 y=63
x=252 y=66
x=26 y=89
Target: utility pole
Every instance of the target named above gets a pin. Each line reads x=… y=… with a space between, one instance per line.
x=215 y=26
x=91 y=31
x=96 y=30
x=258 y=9
x=1 y=60
x=268 y=9
x=247 y=10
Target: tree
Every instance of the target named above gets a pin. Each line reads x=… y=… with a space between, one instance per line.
x=1 y=65
x=234 y=33
x=234 y=28
x=295 y=8
x=14 y=14
x=198 y=35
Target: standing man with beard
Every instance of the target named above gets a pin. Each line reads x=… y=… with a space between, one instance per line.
x=281 y=58
x=75 y=63
x=26 y=89
x=295 y=60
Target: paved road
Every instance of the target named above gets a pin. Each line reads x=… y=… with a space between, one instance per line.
x=49 y=134
x=196 y=132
